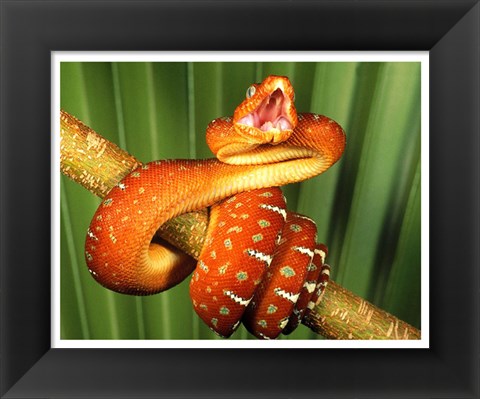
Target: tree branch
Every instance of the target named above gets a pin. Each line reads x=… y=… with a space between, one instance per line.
x=98 y=165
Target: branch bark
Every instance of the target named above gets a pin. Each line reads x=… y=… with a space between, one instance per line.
x=98 y=165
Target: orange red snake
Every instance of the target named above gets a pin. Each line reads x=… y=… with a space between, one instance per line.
x=260 y=264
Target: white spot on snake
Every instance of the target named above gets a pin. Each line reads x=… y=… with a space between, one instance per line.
x=321 y=253
x=263 y=336
x=278 y=238
x=286 y=295
x=310 y=286
x=203 y=266
x=272 y=308
x=262 y=323
x=234 y=327
x=276 y=209
x=296 y=228
x=304 y=217
x=242 y=275
x=108 y=202
x=236 y=229
x=282 y=323
x=224 y=311
x=304 y=250
x=257 y=237
x=236 y=298
x=260 y=256
x=91 y=235
x=223 y=269
x=266 y=194
x=287 y=272
x=263 y=223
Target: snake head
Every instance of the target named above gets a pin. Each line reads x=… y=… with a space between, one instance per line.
x=268 y=114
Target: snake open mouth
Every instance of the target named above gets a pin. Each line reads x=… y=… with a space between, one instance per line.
x=270 y=114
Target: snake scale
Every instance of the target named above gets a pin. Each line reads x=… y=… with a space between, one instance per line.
x=260 y=264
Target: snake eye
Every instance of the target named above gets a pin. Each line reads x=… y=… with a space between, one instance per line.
x=251 y=91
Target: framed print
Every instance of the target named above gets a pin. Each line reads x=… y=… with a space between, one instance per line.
x=398 y=210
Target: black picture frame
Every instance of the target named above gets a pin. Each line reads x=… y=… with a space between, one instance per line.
x=30 y=30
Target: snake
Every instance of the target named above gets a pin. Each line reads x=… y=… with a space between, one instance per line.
x=260 y=264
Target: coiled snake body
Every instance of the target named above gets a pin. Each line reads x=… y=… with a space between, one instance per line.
x=260 y=264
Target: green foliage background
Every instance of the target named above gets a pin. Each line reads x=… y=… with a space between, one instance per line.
x=367 y=207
